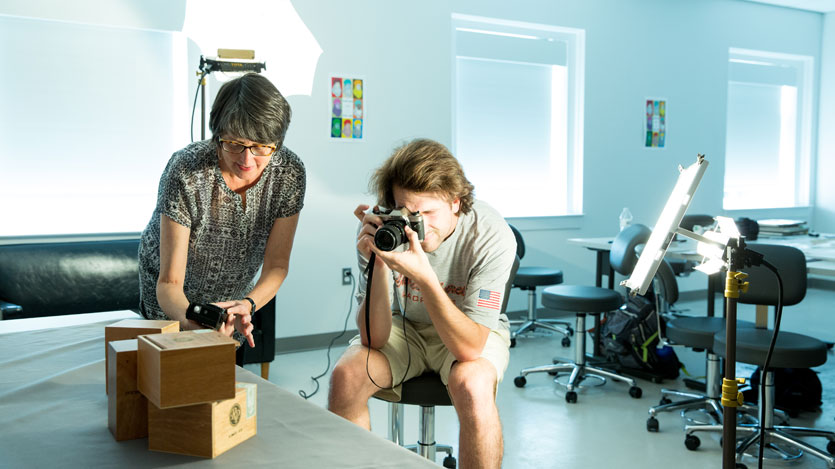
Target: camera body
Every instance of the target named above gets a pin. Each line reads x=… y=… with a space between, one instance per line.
x=208 y=315
x=392 y=232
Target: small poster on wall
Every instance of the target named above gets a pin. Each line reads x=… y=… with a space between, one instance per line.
x=347 y=104
x=655 y=123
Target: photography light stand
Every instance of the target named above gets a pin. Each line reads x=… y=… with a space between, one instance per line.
x=721 y=249
x=229 y=61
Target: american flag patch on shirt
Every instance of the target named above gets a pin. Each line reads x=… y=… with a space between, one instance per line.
x=489 y=299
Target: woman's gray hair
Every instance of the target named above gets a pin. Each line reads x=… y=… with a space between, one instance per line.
x=250 y=107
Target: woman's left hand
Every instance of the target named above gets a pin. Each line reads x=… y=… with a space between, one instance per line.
x=238 y=317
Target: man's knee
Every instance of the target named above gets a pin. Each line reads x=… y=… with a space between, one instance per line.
x=348 y=374
x=473 y=382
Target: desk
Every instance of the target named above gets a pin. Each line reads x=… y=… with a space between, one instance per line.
x=819 y=251
x=602 y=245
x=53 y=412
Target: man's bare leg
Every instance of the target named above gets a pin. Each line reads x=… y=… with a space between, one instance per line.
x=350 y=387
x=472 y=385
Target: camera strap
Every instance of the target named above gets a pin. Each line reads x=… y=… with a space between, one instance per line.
x=370 y=270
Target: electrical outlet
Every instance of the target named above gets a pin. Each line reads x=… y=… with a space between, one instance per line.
x=346 y=276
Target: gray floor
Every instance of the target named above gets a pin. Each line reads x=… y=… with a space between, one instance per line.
x=606 y=427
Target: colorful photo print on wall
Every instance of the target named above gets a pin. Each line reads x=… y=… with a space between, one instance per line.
x=347 y=108
x=655 y=123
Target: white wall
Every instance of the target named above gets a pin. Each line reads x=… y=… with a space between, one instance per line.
x=635 y=49
x=824 y=217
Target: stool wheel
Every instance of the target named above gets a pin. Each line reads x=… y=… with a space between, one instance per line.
x=520 y=381
x=570 y=331
x=512 y=342
x=449 y=462
x=566 y=342
x=652 y=425
x=664 y=401
x=692 y=442
x=635 y=392
x=571 y=397
x=831 y=447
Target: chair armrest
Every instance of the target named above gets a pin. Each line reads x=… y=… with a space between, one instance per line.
x=6 y=308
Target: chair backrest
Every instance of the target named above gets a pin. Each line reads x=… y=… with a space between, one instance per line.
x=762 y=289
x=689 y=221
x=509 y=286
x=520 y=243
x=622 y=256
x=665 y=283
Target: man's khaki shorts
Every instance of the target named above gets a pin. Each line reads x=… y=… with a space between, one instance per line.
x=428 y=353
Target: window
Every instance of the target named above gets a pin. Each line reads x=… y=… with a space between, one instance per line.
x=518 y=103
x=91 y=115
x=767 y=148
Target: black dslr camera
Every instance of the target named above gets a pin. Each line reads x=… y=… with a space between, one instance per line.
x=392 y=233
x=209 y=315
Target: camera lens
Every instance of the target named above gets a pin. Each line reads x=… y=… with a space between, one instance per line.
x=389 y=236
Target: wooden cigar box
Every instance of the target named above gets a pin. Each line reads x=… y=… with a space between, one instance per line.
x=204 y=430
x=185 y=368
x=131 y=329
x=127 y=408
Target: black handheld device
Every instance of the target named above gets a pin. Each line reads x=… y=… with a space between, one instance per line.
x=207 y=315
x=392 y=233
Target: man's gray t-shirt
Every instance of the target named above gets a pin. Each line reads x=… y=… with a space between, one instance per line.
x=227 y=241
x=473 y=265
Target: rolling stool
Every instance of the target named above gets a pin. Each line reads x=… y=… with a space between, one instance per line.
x=427 y=391
x=584 y=300
x=527 y=279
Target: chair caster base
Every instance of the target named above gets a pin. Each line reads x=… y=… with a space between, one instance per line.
x=571 y=397
x=692 y=442
x=635 y=392
x=449 y=462
x=652 y=425
x=520 y=381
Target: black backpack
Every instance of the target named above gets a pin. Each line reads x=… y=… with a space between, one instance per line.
x=795 y=389
x=629 y=338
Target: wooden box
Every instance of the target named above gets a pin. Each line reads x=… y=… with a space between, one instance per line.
x=127 y=408
x=131 y=329
x=204 y=430
x=185 y=368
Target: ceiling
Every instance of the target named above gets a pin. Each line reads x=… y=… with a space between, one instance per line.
x=821 y=6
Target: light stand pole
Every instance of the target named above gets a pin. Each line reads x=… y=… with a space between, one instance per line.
x=731 y=397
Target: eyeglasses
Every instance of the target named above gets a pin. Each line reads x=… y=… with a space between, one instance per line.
x=237 y=147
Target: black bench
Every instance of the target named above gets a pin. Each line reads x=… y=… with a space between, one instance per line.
x=51 y=279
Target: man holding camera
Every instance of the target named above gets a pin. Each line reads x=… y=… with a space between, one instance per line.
x=434 y=304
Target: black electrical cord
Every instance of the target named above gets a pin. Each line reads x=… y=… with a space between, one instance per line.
x=778 y=315
x=370 y=270
x=194 y=106
x=328 y=353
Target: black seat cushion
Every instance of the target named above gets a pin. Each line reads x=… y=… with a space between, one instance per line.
x=531 y=277
x=698 y=332
x=791 y=350
x=581 y=298
x=425 y=390
x=49 y=279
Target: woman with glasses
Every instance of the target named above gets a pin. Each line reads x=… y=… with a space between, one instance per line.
x=225 y=208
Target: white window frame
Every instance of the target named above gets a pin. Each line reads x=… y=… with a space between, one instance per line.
x=575 y=40
x=805 y=95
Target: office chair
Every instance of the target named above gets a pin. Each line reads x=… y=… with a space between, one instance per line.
x=696 y=333
x=792 y=350
x=428 y=391
x=527 y=279
x=585 y=300
x=682 y=267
